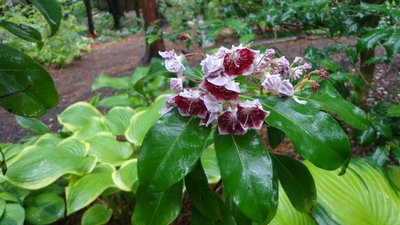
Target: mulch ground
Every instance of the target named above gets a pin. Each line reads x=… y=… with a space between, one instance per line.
x=121 y=58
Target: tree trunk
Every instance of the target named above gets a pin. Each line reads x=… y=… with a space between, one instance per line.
x=367 y=71
x=90 y=18
x=115 y=10
x=136 y=5
x=149 y=11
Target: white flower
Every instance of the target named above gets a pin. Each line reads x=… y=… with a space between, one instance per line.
x=173 y=62
x=275 y=84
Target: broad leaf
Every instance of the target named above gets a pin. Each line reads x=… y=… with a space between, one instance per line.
x=13 y=214
x=227 y=218
x=118 y=118
x=363 y=192
x=142 y=121
x=23 y=31
x=74 y=117
x=328 y=99
x=297 y=182
x=248 y=175
x=275 y=136
x=51 y=10
x=31 y=124
x=116 y=83
x=2 y=206
x=108 y=150
x=203 y=198
x=90 y=128
x=96 y=215
x=158 y=68
x=286 y=214
x=26 y=89
x=170 y=150
x=126 y=175
x=157 y=208
x=315 y=135
x=46 y=209
x=39 y=166
x=86 y=189
x=115 y=100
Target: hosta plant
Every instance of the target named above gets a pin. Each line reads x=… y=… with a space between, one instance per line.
x=237 y=95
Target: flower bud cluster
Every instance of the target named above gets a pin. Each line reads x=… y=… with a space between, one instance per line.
x=216 y=99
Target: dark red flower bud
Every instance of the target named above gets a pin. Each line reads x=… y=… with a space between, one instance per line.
x=314 y=86
x=323 y=73
x=183 y=37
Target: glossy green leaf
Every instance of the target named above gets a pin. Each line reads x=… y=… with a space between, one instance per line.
x=315 y=135
x=46 y=209
x=13 y=214
x=210 y=164
x=108 y=150
x=22 y=31
x=116 y=83
x=142 y=121
x=52 y=12
x=248 y=175
x=380 y=155
x=363 y=192
x=287 y=215
x=328 y=99
x=172 y=146
x=126 y=175
x=157 y=208
x=26 y=89
x=227 y=219
x=367 y=136
x=371 y=39
x=382 y=128
x=73 y=117
x=275 y=136
x=39 y=166
x=96 y=215
x=203 y=198
x=87 y=188
x=31 y=124
x=393 y=111
x=118 y=119
x=297 y=182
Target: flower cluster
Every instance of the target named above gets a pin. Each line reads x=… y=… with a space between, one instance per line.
x=216 y=99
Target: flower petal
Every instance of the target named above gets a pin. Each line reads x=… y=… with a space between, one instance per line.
x=229 y=124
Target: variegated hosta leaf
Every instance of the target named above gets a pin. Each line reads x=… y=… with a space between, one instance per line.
x=38 y=166
x=118 y=118
x=86 y=189
x=126 y=175
x=76 y=115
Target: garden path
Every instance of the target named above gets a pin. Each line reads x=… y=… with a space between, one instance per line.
x=120 y=58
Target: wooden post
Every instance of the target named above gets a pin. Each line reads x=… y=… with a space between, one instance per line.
x=90 y=18
x=149 y=11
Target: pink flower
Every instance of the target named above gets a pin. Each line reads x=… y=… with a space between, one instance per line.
x=239 y=60
x=169 y=104
x=173 y=62
x=280 y=87
x=295 y=73
x=263 y=61
x=176 y=84
x=190 y=103
x=307 y=67
x=212 y=65
x=298 y=60
x=282 y=65
x=230 y=90
x=228 y=123
x=251 y=114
